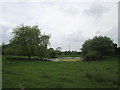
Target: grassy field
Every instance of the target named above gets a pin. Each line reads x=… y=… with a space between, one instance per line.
x=48 y=74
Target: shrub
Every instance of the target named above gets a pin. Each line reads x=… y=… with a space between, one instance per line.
x=92 y=55
x=52 y=53
x=97 y=47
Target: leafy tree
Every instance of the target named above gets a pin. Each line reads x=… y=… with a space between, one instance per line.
x=52 y=53
x=28 y=41
x=58 y=50
x=115 y=48
x=42 y=49
x=100 y=44
x=5 y=48
x=92 y=55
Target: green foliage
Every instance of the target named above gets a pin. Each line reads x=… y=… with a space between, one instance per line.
x=52 y=53
x=29 y=41
x=100 y=44
x=117 y=49
x=71 y=53
x=7 y=49
x=58 y=50
x=92 y=55
x=42 y=52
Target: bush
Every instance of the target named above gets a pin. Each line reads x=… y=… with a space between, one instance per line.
x=52 y=53
x=92 y=55
x=97 y=47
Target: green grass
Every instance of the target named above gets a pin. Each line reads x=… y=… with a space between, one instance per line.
x=48 y=74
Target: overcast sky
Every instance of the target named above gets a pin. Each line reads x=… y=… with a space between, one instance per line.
x=68 y=22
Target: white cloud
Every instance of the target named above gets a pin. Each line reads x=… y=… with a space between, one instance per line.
x=96 y=11
x=5 y=32
x=112 y=33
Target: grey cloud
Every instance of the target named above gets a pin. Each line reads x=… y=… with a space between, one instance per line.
x=96 y=11
x=71 y=11
x=76 y=40
x=69 y=8
x=76 y=37
x=112 y=33
x=5 y=34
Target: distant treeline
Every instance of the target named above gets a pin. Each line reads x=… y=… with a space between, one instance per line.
x=28 y=41
x=54 y=53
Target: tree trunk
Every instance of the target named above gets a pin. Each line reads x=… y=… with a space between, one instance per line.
x=29 y=57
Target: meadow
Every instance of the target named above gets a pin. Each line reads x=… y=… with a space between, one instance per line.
x=49 y=74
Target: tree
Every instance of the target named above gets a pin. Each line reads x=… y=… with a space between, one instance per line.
x=5 y=49
x=52 y=53
x=115 y=48
x=58 y=50
x=101 y=44
x=28 y=41
x=42 y=49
